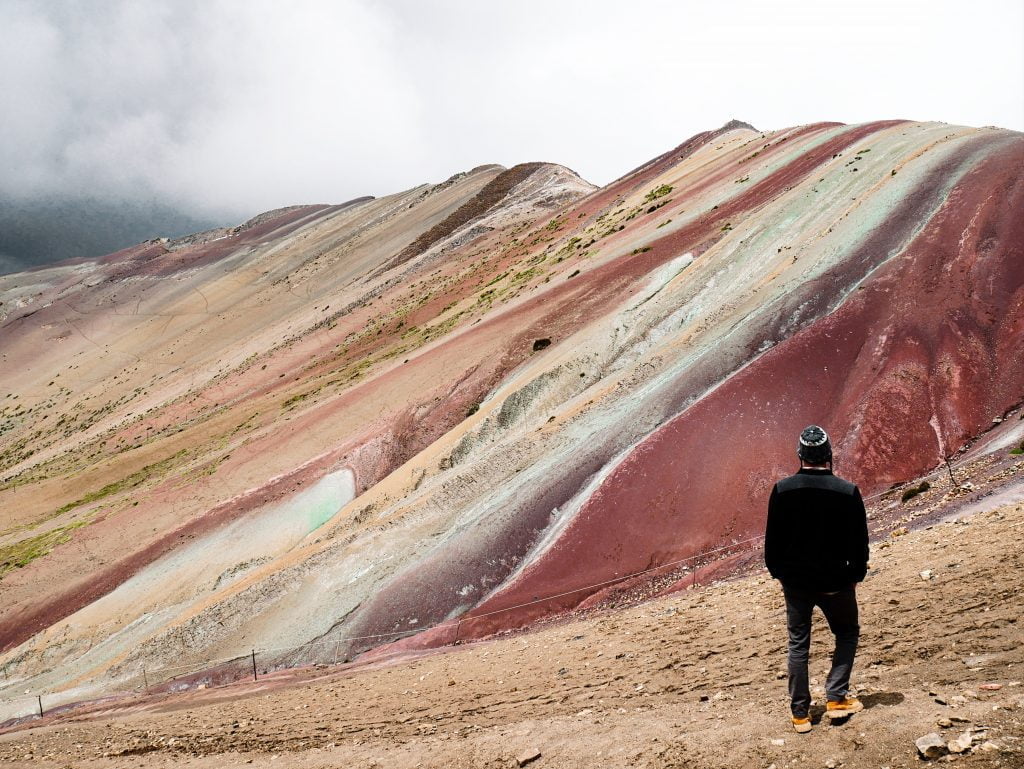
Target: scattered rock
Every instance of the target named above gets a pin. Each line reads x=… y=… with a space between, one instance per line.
x=830 y=764
x=944 y=723
x=930 y=745
x=991 y=687
x=927 y=574
x=960 y=744
x=528 y=756
x=778 y=743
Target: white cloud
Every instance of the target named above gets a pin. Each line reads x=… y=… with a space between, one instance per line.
x=237 y=106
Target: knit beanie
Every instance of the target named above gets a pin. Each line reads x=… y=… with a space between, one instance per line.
x=814 y=447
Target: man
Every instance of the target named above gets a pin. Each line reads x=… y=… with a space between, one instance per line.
x=816 y=545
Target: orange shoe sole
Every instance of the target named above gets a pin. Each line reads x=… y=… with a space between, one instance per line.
x=844 y=712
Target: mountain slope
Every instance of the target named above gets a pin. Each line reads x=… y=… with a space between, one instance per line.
x=341 y=425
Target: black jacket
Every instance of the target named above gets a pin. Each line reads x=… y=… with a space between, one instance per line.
x=817 y=532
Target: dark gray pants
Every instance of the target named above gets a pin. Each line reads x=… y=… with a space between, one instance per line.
x=840 y=610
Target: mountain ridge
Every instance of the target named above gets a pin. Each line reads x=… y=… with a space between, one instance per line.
x=369 y=419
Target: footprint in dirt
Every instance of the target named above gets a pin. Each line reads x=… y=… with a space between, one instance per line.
x=881 y=698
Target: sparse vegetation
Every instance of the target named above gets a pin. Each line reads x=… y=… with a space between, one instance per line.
x=21 y=554
x=128 y=482
x=913 y=491
x=657 y=192
x=497 y=278
x=298 y=398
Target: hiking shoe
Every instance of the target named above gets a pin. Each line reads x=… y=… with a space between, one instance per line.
x=802 y=724
x=843 y=708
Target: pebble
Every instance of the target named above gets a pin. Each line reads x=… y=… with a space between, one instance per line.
x=927 y=574
x=528 y=756
x=778 y=743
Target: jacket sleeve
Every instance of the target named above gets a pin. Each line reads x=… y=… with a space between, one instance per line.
x=859 y=553
x=771 y=536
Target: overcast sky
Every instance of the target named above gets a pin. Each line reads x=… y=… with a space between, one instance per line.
x=225 y=108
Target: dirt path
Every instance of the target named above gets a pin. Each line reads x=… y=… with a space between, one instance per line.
x=693 y=680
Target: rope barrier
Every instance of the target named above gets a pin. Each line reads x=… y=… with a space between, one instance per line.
x=207 y=665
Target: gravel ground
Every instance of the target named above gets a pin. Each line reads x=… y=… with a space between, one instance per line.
x=691 y=680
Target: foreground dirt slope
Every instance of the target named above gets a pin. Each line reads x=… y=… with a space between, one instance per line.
x=691 y=680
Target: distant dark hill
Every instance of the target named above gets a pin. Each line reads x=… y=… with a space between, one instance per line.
x=38 y=232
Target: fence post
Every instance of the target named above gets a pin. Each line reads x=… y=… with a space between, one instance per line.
x=253 y=664
x=40 y=698
x=951 y=478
